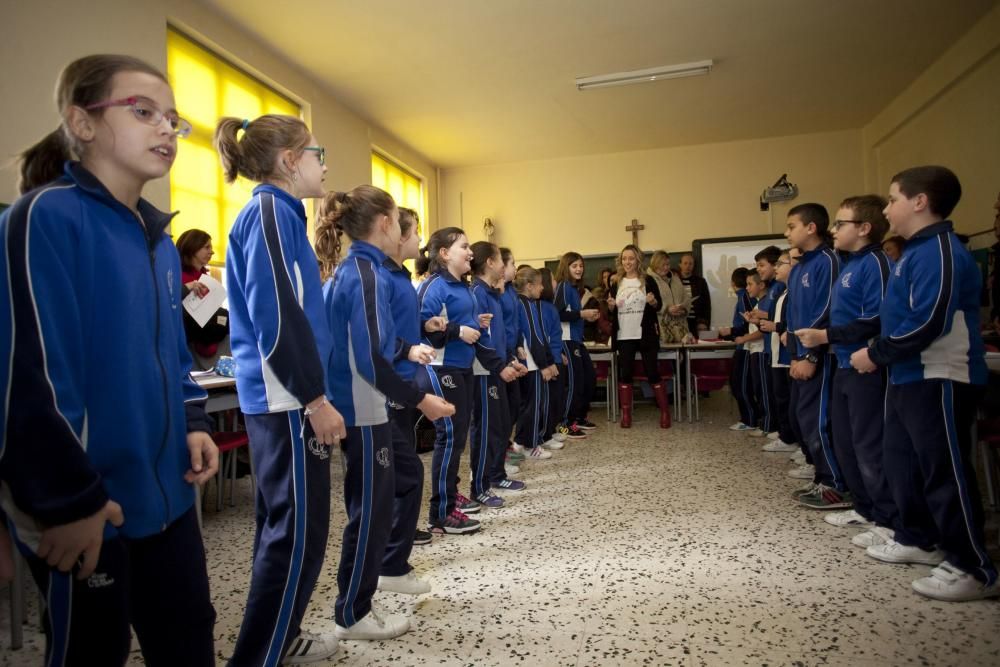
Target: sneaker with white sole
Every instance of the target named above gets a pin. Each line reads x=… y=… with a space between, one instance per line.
x=585 y=425
x=756 y=433
x=804 y=490
x=421 y=537
x=307 y=648
x=797 y=457
x=953 y=584
x=779 y=446
x=516 y=448
x=466 y=505
x=873 y=536
x=894 y=552
x=773 y=435
x=553 y=444
x=374 y=626
x=804 y=471
x=539 y=453
x=740 y=426
x=509 y=485
x=455 y=523
x=511 y=470
x=846 y=518
x=560 y=433
x=407 y=584
x=575 y=432
x=489 y=499
x=827 y=498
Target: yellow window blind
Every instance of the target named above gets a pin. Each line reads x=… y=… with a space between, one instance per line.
x=206 y=88
x=405 y=187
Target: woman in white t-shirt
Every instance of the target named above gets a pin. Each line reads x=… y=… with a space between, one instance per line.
x=634 y=302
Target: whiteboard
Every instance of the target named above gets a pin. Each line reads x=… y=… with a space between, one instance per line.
x=718 y=258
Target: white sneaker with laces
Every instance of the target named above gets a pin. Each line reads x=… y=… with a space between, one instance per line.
x=538 y=453
x=739 y=426
x=756 y=433
x=804 y=471
x=779 y=446
x=894 y=552
x=952 y=584
x=773 y=435
x=516 y=448
x=375 y=625
x=511 y=469
x=846 y=518
x=552 y=444
x=873 y=536
x=308 y=647
x=408 y=584
x=798 y=457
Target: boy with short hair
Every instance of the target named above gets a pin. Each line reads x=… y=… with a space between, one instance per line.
x=780 y=361
x=739 y=379
x=753 y=345
x=767 y=264
x=930 y=342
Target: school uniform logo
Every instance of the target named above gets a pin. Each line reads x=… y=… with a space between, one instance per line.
x=494 y=394
x=899 y=267
x=382 y=457
x=576 y=353
x=320 y=451
x=845 y=280
x=805 y=280
x=170 y=288
x=394 y=405
x=448 y=381
x=99 y=580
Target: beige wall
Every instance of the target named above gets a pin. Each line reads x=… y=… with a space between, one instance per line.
x=949 y=115
x=544 y=208
x=48 y=34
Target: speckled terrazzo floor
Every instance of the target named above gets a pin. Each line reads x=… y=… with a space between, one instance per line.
x=641 y=547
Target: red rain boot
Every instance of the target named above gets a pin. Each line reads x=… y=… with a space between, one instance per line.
x=660 y=391
x=625 y=403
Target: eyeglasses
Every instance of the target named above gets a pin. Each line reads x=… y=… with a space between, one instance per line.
x=783 y=263
x=320 y=152
x=146 y=112
x=837 y=224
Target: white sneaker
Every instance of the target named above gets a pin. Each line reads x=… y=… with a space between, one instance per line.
x=773 y=435
x=552 y=444
x=846 y=518
x=559 y=437
x=756 y=433
x=408 y=584
x=308 y=647
x=894 y=552
x=516 y=448
x=779 y=446
x=739 y=426
x=511 y=470
x=952 y=584
x=538 y=453
x=375 y=625
x=798 y=457
x=804 y=471
x=873 y=536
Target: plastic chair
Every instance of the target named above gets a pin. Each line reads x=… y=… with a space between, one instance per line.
x=229 y=442
x=709 y=375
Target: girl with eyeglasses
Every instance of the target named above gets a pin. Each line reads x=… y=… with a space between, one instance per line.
x=281 y=341
x=99 y=455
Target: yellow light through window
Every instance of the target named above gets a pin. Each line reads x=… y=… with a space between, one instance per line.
x=406 y=188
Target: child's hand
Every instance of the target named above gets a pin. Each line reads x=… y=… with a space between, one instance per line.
x=766 y=326
x=803 y=370
x=812 y=337
x=590 y=314
x=508 y=374
x=784 y=338
x=739 y=340
x=468 y=334
x=484 y=320
x=434 y=407
x=862 y=361
x=521 y=354
x=421 y=354
x=327 y=423
x=521 y=369
x=204 y=458
x=62 y=546
x=435 y=324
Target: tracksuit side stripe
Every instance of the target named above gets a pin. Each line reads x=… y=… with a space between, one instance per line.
x=442 y=480
x=358 y=571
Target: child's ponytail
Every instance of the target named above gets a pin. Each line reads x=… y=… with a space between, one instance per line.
x=43 y=162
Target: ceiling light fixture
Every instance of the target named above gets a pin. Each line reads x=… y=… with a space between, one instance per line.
x=644 y=75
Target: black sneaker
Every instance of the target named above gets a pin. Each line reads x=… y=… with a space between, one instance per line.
x=456 y=523
x=585 y=425
x=574 y=432
x=422 y=537
x=466 y=505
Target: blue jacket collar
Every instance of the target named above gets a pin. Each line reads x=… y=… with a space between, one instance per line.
x=390 y=264
x=156 y=221
x=821 y=248
x=368 y=251
x=942 y=227
x=486 y=286
x=296 y=204
x=871 y=247
x=446 y=275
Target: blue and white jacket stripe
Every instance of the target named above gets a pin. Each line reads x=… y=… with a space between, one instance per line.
x=491 y=348
x=442 y=294
x=857 y=299
x=553 y=329
x=567 y=301
x=97 y=398
x=766 y=303
x=531 y=331
x=405 y=315
x=277 y=322
x=930 y=315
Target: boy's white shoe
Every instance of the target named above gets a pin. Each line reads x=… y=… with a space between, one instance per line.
x=511 y=469
x=756 y=433
x=408 y=584
x=739 y=426
x=797 y=457
x=374 y=626
x=773 y=435
x=538 y=453
x=779 y=446
x=516 y=448
x=552 y=443
x=308 y=647
x=804 y=471
x=952 y=584
x=894 y=552
x=846 y=518
x=873 y=536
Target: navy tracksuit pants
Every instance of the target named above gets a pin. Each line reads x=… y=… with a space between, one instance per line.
x=488 y=443
x=156 y=584
x=782 y=405
x=293 y=523
x=408 y=472
x=811 y=411
x=531 y=415
x=581 y=379
x=740 y=384
x=369 y=495
x=555 y=403
x=768 y=409
x=928 y=464
x=857 y=409
x=455 y=385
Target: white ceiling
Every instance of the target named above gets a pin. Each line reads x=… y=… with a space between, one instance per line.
x=470 y=82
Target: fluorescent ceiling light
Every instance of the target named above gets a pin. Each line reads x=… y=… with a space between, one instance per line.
x=643 y=75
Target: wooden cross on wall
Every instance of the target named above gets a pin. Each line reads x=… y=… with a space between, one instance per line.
x=635 y=228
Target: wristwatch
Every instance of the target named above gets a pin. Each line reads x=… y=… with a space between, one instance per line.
x=811 y=358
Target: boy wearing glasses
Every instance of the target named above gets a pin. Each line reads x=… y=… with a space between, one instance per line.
x=856 y=404
x=931 y=344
